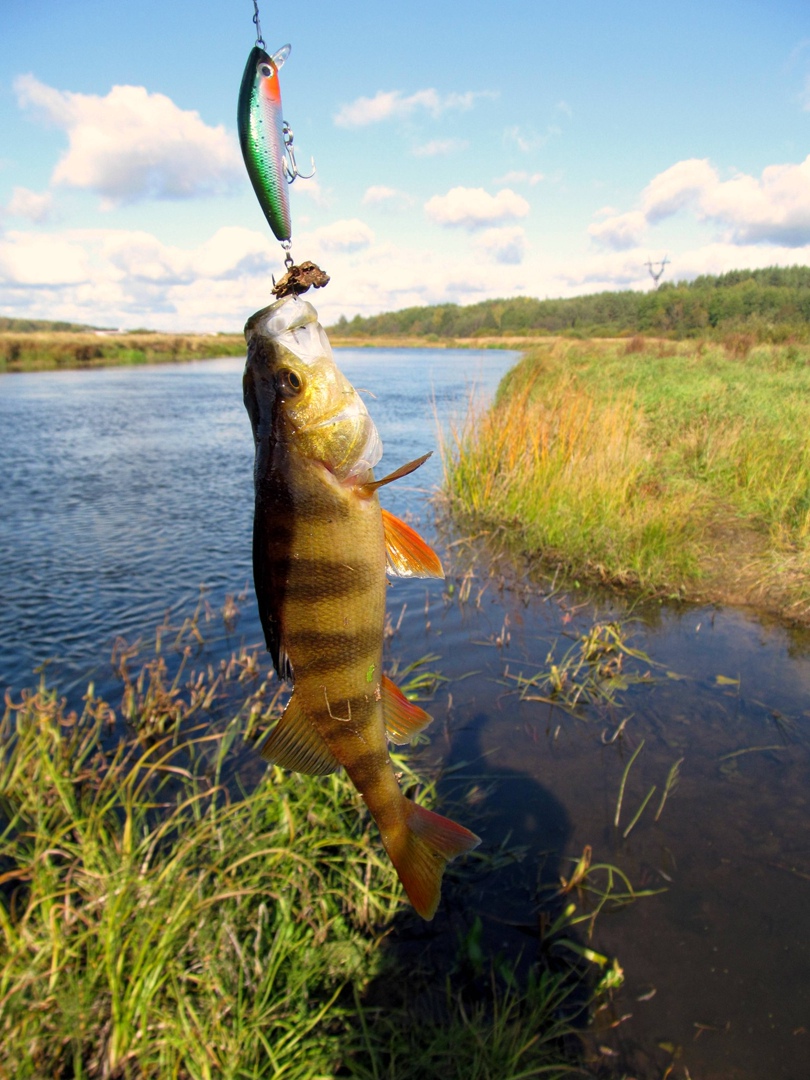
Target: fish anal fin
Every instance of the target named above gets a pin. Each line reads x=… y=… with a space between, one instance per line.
x=426 y=844
x=397 y=474
x=295 y=744
x=407 y=554
x=402 y=718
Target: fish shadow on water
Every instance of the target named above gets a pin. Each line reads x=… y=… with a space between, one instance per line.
x=489 y=932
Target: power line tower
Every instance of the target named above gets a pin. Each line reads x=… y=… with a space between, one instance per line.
x=656 y=274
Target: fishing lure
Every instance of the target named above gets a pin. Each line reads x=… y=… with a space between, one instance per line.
x=261 y=136
x=265 y=137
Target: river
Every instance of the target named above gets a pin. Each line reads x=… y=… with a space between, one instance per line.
x=127 y=490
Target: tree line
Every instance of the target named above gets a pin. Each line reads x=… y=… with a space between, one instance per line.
x=772 y=303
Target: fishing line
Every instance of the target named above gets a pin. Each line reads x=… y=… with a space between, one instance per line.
x=257 y=24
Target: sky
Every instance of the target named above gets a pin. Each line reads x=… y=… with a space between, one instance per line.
x=463 y=151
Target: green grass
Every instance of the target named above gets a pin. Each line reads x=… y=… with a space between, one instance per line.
x=49 y=350
x=156 y=920
x=677 y=469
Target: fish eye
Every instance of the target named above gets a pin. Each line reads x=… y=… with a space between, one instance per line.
x=290 y=382
x=266 y=70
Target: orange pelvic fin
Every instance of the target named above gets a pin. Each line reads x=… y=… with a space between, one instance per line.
x=402 y=718
x=295 y=744
x=397 y=474
x=406 y=552
x=426 y=844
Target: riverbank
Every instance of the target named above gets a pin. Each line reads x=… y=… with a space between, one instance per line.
x=672 y=469
x=49 y=351
x=157 y=920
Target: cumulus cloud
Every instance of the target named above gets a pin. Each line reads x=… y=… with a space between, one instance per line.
x=440 y=147
x=475 y=208
x=132 y=145
x=348 y=235
x=30 y=204
x=394 y=105
x=382 y=195
x=774 y=208
x=34 y=260
x=620 y=231
x=506 y=245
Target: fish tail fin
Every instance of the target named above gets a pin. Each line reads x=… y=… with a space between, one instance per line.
x=424 y=845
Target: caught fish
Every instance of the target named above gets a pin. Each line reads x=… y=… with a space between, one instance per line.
x=267 y=139
x=321 y=546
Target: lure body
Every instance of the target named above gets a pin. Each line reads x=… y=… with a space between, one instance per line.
x=261 y=136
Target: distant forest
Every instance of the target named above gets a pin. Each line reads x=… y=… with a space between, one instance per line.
x=772 y=304
x=32 y=326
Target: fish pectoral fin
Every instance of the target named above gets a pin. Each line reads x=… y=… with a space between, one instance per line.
x=397 y=474
x=402 y=718
x=407 y=554
x=295 y=744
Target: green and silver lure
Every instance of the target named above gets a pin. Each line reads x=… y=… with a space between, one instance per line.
x=265 y=137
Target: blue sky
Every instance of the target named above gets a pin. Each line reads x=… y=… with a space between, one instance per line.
x=463 y=151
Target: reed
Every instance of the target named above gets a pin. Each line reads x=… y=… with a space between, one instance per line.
x=681 y=471
x=155 y=920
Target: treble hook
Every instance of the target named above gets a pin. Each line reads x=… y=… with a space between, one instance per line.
x=290 y=167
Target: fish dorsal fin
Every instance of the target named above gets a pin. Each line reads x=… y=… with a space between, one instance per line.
x=406 y=552
x=397 y=474
x=295 y=744
x=402 y=718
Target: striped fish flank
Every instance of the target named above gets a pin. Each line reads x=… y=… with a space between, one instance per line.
x=321 y=548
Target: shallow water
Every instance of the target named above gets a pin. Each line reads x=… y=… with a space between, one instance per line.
x=126 y=490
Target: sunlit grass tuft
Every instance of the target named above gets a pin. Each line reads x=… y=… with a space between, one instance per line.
x=672 y=472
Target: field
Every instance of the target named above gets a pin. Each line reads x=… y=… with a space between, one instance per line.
x=677 y=469
x=46 y=351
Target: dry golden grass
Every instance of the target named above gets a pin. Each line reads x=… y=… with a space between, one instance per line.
x=683 y=470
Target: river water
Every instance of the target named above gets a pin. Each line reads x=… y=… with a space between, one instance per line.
x=124 y=491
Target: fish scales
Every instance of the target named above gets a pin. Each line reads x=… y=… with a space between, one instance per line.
x=321 y=543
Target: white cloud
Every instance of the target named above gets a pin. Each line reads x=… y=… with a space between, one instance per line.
x=38 y=259
x=381 y=195
x=311 y=188
x=30 y=204
x=676 y=187
x=440 y=147
x=774 y=208
x=348 y=235
x=132 y=145
x=393 y=104
x=506 y=245
x=621 y=231
x=527 y=141
x=474 y=208
x=520 y=176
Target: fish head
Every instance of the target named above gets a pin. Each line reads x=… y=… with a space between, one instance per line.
x=296 y=394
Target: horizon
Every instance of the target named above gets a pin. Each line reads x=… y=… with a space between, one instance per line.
x=525 y=152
